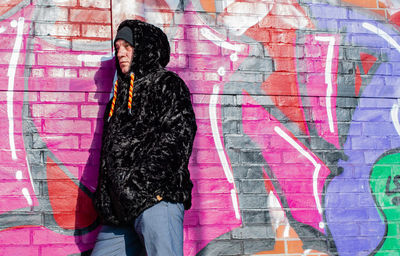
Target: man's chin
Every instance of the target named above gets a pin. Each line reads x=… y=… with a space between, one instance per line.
x=125 y=70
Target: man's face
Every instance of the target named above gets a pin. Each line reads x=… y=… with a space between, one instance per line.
x=124 y=55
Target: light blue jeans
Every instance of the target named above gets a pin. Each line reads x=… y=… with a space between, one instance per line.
x=158 y=231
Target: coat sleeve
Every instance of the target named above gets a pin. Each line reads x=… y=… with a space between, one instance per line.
x=169 y=155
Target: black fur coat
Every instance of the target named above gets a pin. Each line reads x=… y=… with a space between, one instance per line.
x=145 y=153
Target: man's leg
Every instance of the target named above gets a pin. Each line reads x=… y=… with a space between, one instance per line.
x=161 y=228
x=118 y=241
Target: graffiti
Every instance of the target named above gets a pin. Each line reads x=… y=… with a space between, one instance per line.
x=388 y=202
x=297 y=111
x=295 y=121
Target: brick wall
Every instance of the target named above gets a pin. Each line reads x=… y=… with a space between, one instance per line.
x=297 y=150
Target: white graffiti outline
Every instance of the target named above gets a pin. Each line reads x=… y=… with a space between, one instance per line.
x=30 y=174
x=219 y=41
x=10 y=91
x=219 y=147
x=28 y=198
x=394 y=113
x=328 y=77
x=317 y=166
x=382 y=34
x=235 y=203
x=18 y=175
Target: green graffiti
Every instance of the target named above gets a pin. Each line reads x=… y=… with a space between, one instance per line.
x=385 y=186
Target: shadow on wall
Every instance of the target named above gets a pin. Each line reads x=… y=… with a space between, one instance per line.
x=103 y=80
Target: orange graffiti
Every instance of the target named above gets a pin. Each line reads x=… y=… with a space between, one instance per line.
x=208 y=5
x=289 y=243
x=369 y=4
x=71 y=206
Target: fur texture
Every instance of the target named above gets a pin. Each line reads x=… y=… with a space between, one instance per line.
x=145 y=153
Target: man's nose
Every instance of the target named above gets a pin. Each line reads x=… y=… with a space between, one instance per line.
x=121 y=52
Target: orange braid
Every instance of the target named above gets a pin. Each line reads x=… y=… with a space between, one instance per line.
x=113 y=101
x=130 y=93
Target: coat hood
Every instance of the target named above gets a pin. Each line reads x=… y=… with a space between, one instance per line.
x=151 y=48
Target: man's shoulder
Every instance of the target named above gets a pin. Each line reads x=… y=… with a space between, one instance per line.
x=169 y=80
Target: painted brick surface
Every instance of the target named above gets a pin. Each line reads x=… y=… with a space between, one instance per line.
x=296 y=102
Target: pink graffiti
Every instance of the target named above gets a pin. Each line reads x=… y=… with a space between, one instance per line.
x=321 y=64
x=301 y=177
x=15 y=175
x=67 y=92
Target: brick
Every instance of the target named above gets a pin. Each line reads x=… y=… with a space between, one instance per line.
x=251 y=246
x=252 y=157
x=207 y=63
x=258 y=216
x=74 y=156
x=211 y=201
x=259 y=9
x=89 y=15
x=206 y=171
x=51 y=13
x=62 y=97
x=216 y=217
x=186 y=76
x=7 y=42
x=252 y=186
x=92 y=111
x=204 y=142
x=192 y=18
x=28 y=250
x=238 y=141
x=18 y=97
x=62 y=142
x=177 y=61
x=87 y=72
x=326 y=13
x=95 y=3
x=100 y=97
x=6 y=56
x=61 y=3
x=256 y=64
x=70 y=73
x=370 y=142
x=219 y=247
x=37 y=72
x=198 y=48
x=97 y=31
x=90 y=142
x=252 y=232
x=243 y=76
x=210 y=233
x=60 y=249
x=55 y=72
x=253 y=201
x=191 y=218
x=57 y=29
x=201 y=112
x=159 y=18
x=54 y=110
x=214 y=186
x=58 y=60
x=67 y=126
x=206 y=156
x=209 y=76
x=16 y=237
x=43 y=236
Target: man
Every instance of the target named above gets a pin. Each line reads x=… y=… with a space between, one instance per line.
x=149 y=127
